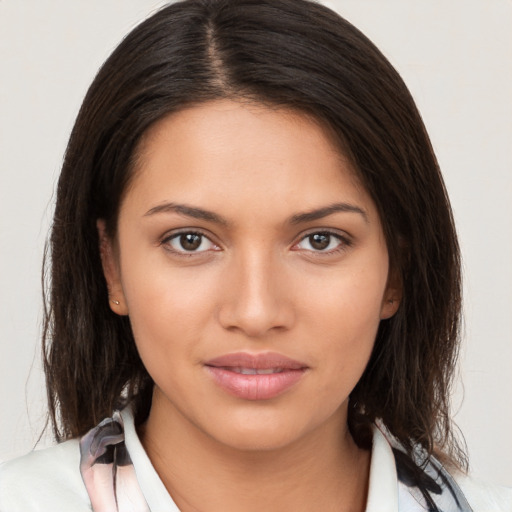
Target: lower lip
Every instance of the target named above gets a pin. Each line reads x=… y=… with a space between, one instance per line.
x=255 y=387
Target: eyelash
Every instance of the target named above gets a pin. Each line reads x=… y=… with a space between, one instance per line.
x=344 y=243
x=166 y=242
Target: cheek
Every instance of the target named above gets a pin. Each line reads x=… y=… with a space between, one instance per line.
x=168 y=309
x=348 y=303
x=346 y=352
x=345 y=317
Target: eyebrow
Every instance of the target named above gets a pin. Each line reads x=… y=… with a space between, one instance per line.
x=320 y=213
x=189 y=211
x=299 y=218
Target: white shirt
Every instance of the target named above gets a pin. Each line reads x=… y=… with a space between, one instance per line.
x=50 y=480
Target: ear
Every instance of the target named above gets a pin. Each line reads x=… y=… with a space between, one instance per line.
x=110 y=264
x=392 y=296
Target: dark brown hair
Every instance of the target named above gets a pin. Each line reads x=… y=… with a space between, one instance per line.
x=292 y=53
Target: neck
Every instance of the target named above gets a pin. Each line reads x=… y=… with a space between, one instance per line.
x=324 y=470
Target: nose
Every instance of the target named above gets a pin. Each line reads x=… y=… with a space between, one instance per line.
x=257 y=297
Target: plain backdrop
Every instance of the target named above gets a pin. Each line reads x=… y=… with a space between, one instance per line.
x=455 y=56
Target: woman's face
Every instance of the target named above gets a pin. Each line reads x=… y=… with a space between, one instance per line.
x=254 y=270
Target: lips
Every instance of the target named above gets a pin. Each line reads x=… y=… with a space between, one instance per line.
x=252 y=371
x=255 y=376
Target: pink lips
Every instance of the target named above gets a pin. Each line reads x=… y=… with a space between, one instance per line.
x=255 y=377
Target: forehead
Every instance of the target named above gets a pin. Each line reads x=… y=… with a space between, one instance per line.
x=226 y=151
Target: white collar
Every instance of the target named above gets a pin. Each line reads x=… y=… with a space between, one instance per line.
x=153 y=489
x=383 y=485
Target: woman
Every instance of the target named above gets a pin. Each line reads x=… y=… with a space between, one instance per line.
x=254 y=261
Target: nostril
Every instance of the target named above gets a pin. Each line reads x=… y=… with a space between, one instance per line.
x=255 y=321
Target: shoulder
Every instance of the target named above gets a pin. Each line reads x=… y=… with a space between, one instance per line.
x=46 y=479
x=485 y=496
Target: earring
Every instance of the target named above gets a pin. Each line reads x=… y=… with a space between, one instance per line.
x=116 y=302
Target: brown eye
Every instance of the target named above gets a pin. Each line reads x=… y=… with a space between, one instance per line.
x=320 y=241
x=190 y=242
x=323 y=242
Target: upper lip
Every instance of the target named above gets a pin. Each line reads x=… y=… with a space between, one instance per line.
x=258 y=361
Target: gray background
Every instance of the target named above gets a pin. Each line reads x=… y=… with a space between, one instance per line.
x=456 y=57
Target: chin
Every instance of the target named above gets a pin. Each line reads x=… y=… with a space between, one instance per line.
x=258 y=440
x=261 y=430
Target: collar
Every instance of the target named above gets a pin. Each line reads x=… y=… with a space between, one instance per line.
x=383 y=485
x=119 y=476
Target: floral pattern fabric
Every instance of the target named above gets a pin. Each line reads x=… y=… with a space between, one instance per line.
x=432 y=489
x=107 y=469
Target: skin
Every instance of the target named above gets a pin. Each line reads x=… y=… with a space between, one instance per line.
x=255 y=284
